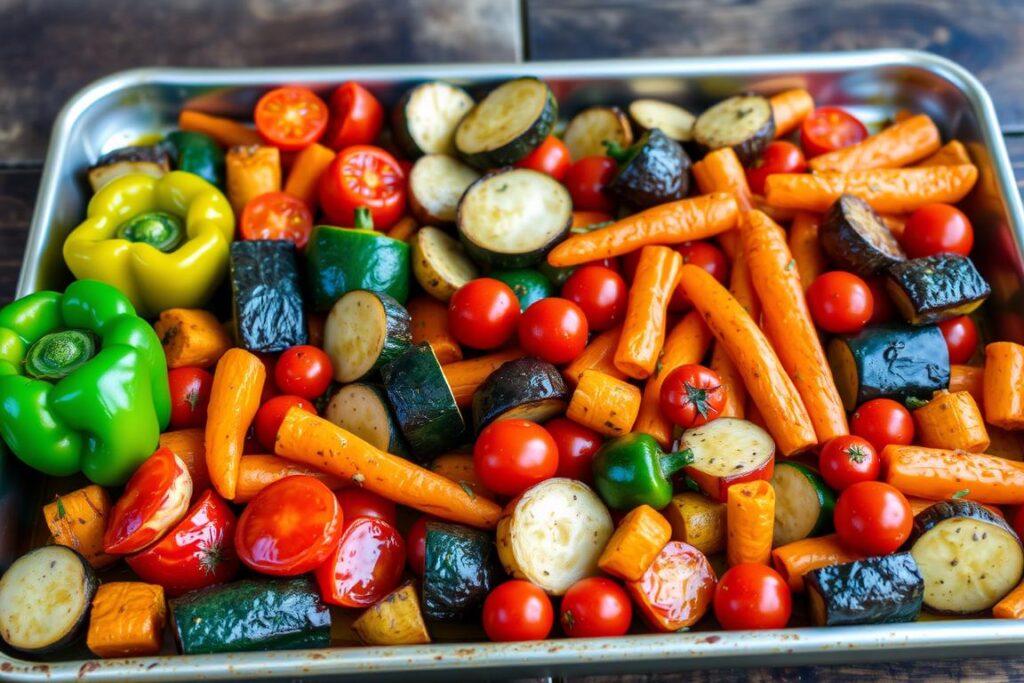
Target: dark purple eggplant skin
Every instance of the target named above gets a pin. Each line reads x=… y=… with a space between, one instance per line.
x=926 y=519
x=877 y=590
x=656 y=170
x=516 y=383
x=842 y=235
x=935 y=288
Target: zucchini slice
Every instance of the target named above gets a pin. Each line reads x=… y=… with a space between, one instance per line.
x=529 y=285
x=526 y=388
x=670 y=119
x=511 y=218
x=363 y=410
x=45 y=596
x=339 y=260
x=587 y=133
x=934 y=288
x=151 y=160
x=267 y=302
x=743 y=122
x=803 y=503
x=969 y=558
x=460 y=568
x=426 y=117
x=855 y=237
x=727 y=451
x=436 y=183
x=878 y=590
x=364 y=331
x=655 y=170
x=439 y=263
x=508 y=124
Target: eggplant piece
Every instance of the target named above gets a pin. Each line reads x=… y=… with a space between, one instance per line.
x=878 y=590
x=460 y=568
x=653 y=171
x=934 y=288
x=969 y=557
x=526 y=388
x=267 y=302
x=593 y=128
x=743 y=122
x=148 y=159
x=855 y=238
x=670 y=119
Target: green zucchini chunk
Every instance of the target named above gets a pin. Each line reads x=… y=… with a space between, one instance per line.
x=460 y=568
x=655 y=170
x=803 y=503
x=364 y=331
x=199 y=154
x=426 y=117
x=877 y=590
x=508 y=124
x=529 y=285
x=339 y=260
x=588 y=131
x=525 y=388
x=743 y=122
x=269 y=313
x=363 y=410
x=934 y=288
x=670 y=119
x=855 y=238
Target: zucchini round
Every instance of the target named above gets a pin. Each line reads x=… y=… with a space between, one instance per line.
x=426 y=117
x=670 y=119
x=436 y=183
x=508 y=124
x=587 y=133
x=439 y=263
x=525 y=388
x=364 y=331
x=743 y=122
x=803 y=503
x=656 y=170
x=855 y=238
x=529 y=285
x=363 y=410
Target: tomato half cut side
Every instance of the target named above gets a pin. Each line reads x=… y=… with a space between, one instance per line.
x=277 y=216
x=290 y=118
x=830 y=128
x=365 y=566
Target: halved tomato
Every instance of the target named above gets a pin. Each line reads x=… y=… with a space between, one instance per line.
x=277 y=216
x=290 y=118
x=365 y=566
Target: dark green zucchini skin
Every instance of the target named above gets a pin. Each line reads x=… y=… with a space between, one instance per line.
x=855 y=238
x=934 y=288
x=460 y=568
x=529 y=285
x=891 y=361
x=877 y=590
x=513 y=151
x=339 y=260
x=250 y=616
x=199 y=154
x=654 y=170
x=524 y=384
x=267 y=300
x=423 y=403
x=398 y=332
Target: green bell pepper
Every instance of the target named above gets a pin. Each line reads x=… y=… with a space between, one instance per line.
x=199 y=154
x=83 y=383
x=632 y=470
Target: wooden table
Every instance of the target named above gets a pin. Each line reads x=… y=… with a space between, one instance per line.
x=50 y=49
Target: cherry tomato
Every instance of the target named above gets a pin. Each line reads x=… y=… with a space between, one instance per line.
x=846 y=460
x=830 y=128
x=840 y=302
x=483 y=313
x=277 y=216
x=290 y=118
x=882 y=308
x=290 y=527
x=586 y=180
x=779 y=157
x=518 y=610
x=1017 y=520
x=154 y=499
x=882 y=421
x=512 y=455
x=554 y=330
x=677 y=589
x=703 y=254
x=601 y=294
x=304 y=371
x=190 y=396
x=752 y=597
x=873 y=518
x=692 y=395
x=357 y=502
x=365 y=566
x=961 y=338
x=937 y=228
x=551 y=156
x=576 y=446
x=356 y=117
x=362 y=175
x=595 y=608
x=198 y=552
x=271 y=414
x=416 y=543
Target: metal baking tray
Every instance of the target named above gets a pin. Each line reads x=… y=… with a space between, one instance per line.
x=875 y=84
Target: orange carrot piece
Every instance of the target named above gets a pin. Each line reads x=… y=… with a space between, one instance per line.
x=404 y=229
x=191 y=336
x=190 y=447
x=459 y=468
x=304 y=178
x=598 y=355
x=953 y=153
x=1011 y=606
x=643 y=331
x=430 y=324
x=897 y=224
x=78 y=520
x=1003 y=385
x=127 y=619
x=721 y=171
x=938 y=474
x=584 y=219
x=793 y=560
x=638 y=539
x=251 y=171
x=234 y=400
x=803 y=243
x=225 y=131
x=789 y=109
x=604 y=403
x=951 y=420
x=465 y=376
x=735 y=391
x=970 y=379
x=900 y=144
x=749 y=522
x=257 y=472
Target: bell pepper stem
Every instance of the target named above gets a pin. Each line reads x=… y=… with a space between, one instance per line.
x=160 y=230
x=58 y=354
x=673 y=462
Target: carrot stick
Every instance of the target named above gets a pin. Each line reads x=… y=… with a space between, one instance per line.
x=735 y=391
x=465 y=376
x=721 y=171
x=938 y=474
x=643 y=331
x=900 y=144
x=970 y=379
x=803 y=243
x=430 y=324
x=1003 y=386
x=306 y=438
x=749 y=522
x=584 y=219
x=404 y=229
x=251 y=171
x=887 y=190
x=763 y=374
x=598 y=355
x=1011 y=606
x=789 y=109
x=225 y=131
x=684 y=220
x=234 y=399
x=304 y=178
x=638 y=539
x=951 y=420
x=460 y=468
x=777 y=214
x=78 y=520
x=897 y=224
x=191 y=336
x=605 y=404
x=190 y=446
x=953 y=153
x=687 y=343
x=257 y=472
x=795 y=559
x=788 y=323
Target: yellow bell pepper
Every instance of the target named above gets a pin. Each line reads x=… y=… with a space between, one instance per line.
x=163 y=242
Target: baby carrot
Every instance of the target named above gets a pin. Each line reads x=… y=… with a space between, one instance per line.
x=900 y=144
x=643 y=331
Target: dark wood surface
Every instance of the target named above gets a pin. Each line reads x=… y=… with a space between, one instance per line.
x=49 y=49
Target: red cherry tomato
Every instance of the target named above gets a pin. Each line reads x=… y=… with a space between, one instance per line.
x=692 y=395
x=512 y=455
x=779 y=157
x=154 y=499
x=518 y=610
x=752 y=597
x=961 y=338
x=595 y=608
x=365 y=566
x=271 y=414
x=362 y=175
x=554 y=330
x=303 y=371
x=576 y=446
x=882 y=421
x=483 y=313
x=882 y=308
x=416 y=543
x=840 y=302
x=830 y=128
x=290 y=118
x=703 y=254
x=937 y=228
x=586 y=180
x=190 y=396
x=847 y=460
x=356 y=117
x=551 y=157
x=1017 y=520
x=601 y=294
x=357 y=502
x=873 y=518
x=290 y=527
x=277 y=216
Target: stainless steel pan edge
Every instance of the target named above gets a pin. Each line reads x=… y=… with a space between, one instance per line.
x=645 y=652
